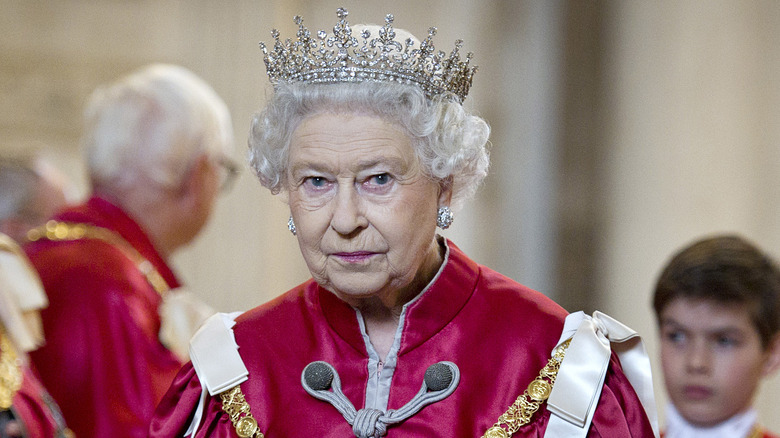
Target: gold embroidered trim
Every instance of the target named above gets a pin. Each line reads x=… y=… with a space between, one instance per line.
x=10 y=372
x=520 y=412
x=65 y=231
x=236 y=406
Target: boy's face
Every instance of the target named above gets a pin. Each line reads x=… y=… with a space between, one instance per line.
x=712 y=359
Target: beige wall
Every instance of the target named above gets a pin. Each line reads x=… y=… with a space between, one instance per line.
x=693 y=140
x=635 y=126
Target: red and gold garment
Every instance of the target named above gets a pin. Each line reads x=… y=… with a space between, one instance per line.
x=35 y=410
x=103 y=361
x=497 y=332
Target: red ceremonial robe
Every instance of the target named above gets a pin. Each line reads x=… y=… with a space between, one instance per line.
x=103 y=362
x=499 y=334
x=31 y=405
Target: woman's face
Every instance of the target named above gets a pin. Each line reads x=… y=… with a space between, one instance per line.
x=365 y=212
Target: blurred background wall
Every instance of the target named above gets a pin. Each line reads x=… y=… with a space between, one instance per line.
x=622 y=130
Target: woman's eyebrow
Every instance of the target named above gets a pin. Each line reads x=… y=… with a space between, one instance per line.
x=394 y=163
x=308 y=166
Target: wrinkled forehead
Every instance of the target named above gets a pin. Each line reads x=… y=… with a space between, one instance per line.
x=358 y=141
x=352 y=129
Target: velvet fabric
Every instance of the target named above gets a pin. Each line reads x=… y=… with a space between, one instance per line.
x=103 y=362
x=33 y=407
x=500 y=335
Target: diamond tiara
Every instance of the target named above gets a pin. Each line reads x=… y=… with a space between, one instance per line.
x=342 y=57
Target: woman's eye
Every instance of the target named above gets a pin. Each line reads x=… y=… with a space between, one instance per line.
x=316 y=181
x=381 y=179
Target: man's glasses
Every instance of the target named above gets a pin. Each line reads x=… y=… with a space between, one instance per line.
x=231 y=173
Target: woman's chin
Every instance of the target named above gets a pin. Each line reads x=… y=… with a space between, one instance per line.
x=358 y=288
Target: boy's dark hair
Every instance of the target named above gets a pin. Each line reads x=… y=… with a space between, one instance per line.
x=729 y=270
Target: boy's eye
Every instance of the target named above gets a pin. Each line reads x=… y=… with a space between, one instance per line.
x=675 y=336
x=726 y=341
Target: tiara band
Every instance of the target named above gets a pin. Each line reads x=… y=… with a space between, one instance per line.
x=342 y=58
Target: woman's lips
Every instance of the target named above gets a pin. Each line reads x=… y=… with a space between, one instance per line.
x=354 y=257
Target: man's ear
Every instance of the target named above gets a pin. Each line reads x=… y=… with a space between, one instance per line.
x=196 y=180
x=772 y=363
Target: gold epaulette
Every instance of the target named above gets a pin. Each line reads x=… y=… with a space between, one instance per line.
x=520 y=412
x=67 y=231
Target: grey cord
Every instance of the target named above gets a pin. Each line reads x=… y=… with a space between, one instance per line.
x=440 y=381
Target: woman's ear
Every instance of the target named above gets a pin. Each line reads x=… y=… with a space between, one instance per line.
x=772 y=363
x=445 y=192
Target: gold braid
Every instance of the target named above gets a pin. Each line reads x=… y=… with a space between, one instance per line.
x=235 y=405
x=67 y=231
x=520 y=412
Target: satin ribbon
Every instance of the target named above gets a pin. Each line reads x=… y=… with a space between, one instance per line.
x=181 y=314
x=21 y=296
x=580 y=378
x=215 y=358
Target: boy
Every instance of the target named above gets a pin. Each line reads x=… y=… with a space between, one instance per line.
x=717 y=303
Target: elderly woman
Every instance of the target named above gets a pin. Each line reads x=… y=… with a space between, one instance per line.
x=398 y=332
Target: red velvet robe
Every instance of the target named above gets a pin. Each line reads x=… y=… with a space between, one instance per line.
x=38 y=416
x=498 y=333
x=103 y=362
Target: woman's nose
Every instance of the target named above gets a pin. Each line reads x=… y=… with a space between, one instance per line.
x=348 y=215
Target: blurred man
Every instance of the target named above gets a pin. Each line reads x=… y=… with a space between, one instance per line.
x=31 y=191
x=157 y=144
x=26 y=408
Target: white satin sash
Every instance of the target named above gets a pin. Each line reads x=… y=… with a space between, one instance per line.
x=580 y=378
x=21 y=296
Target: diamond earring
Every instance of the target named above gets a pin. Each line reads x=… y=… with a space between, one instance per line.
x=444 y=218
x=291 y=226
